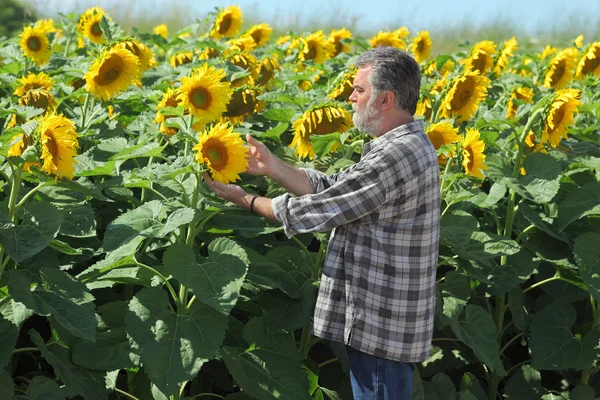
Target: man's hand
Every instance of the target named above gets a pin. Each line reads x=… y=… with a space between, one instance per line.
x=261 y=161
x=232 y=193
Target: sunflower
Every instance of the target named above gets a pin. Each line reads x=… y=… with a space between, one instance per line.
x=141 y=51
x=33 y=81
x=442 y=134
x=243 y=102
x=482 y=57
x=92 y=30
x=560 y=115
x=266 y=72
x=112 y=72
x=421 y=46
x=58 y=140
x=424 y=108
x=532 y=144
x=446 y=68
x=315 y=47
x=47 y=26
x=387 y=39
x=283 y=40
x=205 y=94
x=245 y=60
x=335 y=37
x=35 y=44
x=561 y=69
x=162 y=30
x=547 y=52
x=207 y=53
x=506 y=52
x=578 y=42
x=181 y=58
x=223 y=152
x=260 y=34
x=472 y=154
x=307 y=84
x=228 y=23
x=39 y=98
x=522 y=93
x=344 y=88
x=402 y=32
x=464 y=96
x=320 y=120
x=590 y=62
x=20 y=142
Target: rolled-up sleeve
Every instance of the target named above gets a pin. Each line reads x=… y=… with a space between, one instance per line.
x=360 y=192
x=319 y=180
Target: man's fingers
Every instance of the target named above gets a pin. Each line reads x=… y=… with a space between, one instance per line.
x=250 y=139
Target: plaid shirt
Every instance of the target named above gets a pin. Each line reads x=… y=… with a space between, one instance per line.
x=377 y=291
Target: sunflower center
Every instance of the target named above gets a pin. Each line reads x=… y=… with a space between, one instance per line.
x=110 y=70
x=468 y=154
x=225 y=24
x=436 y=138
x=216 y=152
x=479 y=63
x=311 y=54
x=40 y=101
x=51 y=146
x=200 y=98
x=558 y=117
x=96 y=30
x=34 y=43
x=463 y=94
x=559 y=71
x=420 y=47
x=256 y=35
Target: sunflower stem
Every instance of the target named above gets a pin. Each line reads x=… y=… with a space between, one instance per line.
x=12 y=203
x=31 y=193
x=84 y=110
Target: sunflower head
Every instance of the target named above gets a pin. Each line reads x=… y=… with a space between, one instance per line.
x=161 y=30
x=319 y=120
x=522 y=93
x=91 y=27
x=547 y=52
x=464 y=95
x=205 y=94
x=590 y=62
x=266 y=72
x=343 y=89
x=578 y=42
x=39 y=98
x=208 y=53
x=316 y=47
x=335 y=37
x=424 y=108
x=112 y=72
x=223 y=152
x=243 y=102
x=482 y=57
x=442 y=134
x=472 y=154
x=181 y=58
x=141 y=51
x=509 y=47
x=35 y=44
x=227 y=23
x=388 y=39
x=245 y=60
x=33 y=81
x=421 y=46
x=561 y=69
x=559 y=115
x=260 y=34
x=59 y=143
x=19 y=143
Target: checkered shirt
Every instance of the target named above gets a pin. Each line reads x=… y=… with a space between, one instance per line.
x=377 y=291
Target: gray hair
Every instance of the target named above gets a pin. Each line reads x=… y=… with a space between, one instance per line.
x=394 y=70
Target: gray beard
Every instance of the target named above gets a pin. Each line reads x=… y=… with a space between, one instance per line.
x=368 y=119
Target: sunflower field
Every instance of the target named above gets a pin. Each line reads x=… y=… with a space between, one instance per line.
x=122 y=276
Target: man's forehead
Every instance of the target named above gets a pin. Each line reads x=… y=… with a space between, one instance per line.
x=362 y=75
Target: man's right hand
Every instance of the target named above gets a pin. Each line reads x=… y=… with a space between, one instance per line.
x=261 y=161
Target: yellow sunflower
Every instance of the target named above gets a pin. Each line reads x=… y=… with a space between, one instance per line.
x=448 y=67
x=522 y=93
x=39 y=98
x=162 y=30
x=344 y=88
x=112 y=72
x=283 y=40
x=509 y=47
x=318 y=121
x=207 y=53
x=547 y=52
x=335 y=37
x=245 y=60
x=181 y=58
x=442 y=134
x=141 y=51
x=590 y=62
x=560 y=115
x=223 y=152
x=19 y=143
x=169 y=99
x=205 y=94
x=482 y=57
x=47 y=26
x=464 y=96
x=33 y=81
x=561 y=69
x=315 y=47
x=260 y=34
x=92 y=30
x=388 y=39
x=266 y=72
x=421 y=46
x=35 y=44
x=578 y=42
x=402 y=32
x=424 y=108
x=472 y=154
x=58 y=140
x=532 y=144
x=243 y=102
x=228 y=23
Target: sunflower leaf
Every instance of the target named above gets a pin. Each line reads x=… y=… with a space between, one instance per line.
x=579 y=203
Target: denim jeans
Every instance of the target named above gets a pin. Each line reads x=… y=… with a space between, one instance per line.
x=375 y=378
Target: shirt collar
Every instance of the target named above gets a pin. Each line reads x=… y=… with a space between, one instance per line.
x=411 y=127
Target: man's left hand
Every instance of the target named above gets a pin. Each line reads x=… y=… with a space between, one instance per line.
x=232 y=193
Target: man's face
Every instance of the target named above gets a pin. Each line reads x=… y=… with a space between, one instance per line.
x=366 y=113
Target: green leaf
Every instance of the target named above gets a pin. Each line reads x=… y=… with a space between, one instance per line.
x=89 y=384
x=535 y=219
x=7 y=384
x=497 y=192
x=42 y=388
x=284 y=313
x=440 y=387
x=579 y=203
x=324 y=144
x=60 y=296
x=283 y=97
x=457 y=227
x=109 y=352
x=8 y=340
x=280 y=114
x=270 y=367
x=216 y=281
x=583 y=392
x=172 y=346
x=269 y=275
x=516 y=304
x=525 y=384
x=41 y=224
x=469 y=382
x=15 y=312
x=587 y=254
x=276 y=131
x=476 y=329
x=541 y=179
x=247 y=224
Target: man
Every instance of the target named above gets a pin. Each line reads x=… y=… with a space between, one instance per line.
x=377 y=291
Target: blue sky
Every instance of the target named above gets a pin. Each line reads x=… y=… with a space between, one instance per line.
x=530 y=15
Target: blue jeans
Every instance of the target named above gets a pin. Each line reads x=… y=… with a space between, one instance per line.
x=375 y=378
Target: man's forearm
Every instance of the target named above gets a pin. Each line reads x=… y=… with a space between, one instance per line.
x=291 y=178
x=261 y=206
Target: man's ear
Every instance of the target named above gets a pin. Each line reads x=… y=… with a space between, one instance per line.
x=388 y=99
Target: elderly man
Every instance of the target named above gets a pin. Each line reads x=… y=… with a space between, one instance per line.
x=377 y=290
